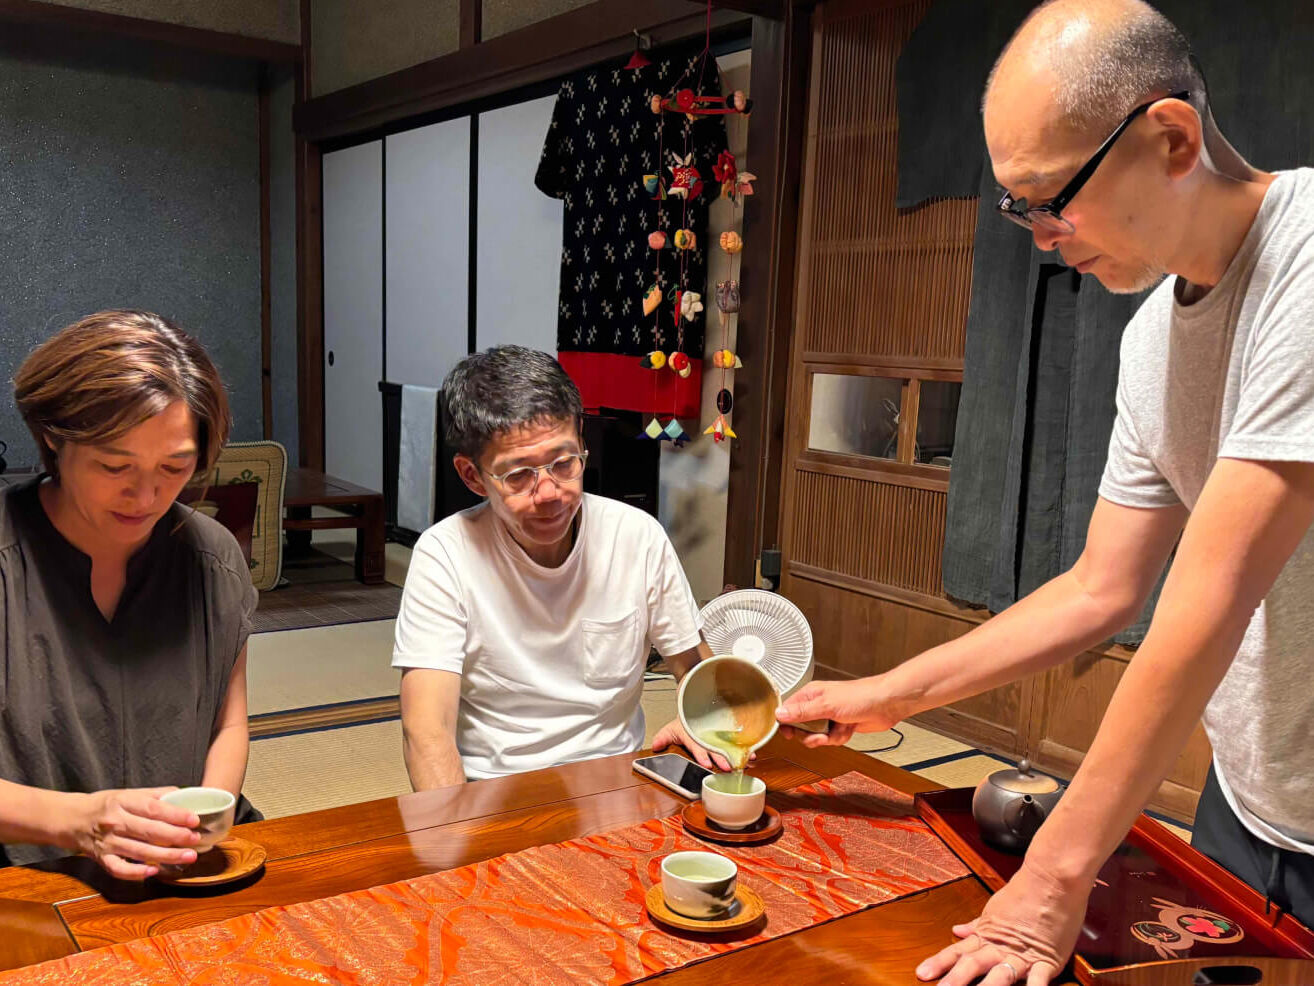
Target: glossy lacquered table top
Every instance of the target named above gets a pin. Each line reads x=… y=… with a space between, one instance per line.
x=70 y=905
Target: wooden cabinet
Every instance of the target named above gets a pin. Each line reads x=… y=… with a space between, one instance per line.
x=1069 y=704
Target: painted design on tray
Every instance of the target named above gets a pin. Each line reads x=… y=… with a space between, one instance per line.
x=1178 y=927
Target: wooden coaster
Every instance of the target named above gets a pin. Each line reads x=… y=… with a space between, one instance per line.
x=746 y=908
x=230 y=860
x=697 y=823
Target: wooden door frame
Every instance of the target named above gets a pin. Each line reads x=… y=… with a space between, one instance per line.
x=779 y=83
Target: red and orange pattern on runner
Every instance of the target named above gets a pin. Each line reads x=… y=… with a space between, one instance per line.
x=564 y=914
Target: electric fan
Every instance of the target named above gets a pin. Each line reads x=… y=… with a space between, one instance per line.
x=764 y=628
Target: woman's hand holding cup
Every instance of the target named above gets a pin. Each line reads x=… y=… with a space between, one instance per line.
x=131 y=832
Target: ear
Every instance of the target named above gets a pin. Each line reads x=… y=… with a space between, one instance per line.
x=1183 y=134
x=469 y=473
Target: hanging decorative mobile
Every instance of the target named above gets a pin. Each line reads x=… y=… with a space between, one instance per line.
x=686 y=183
x=691 y=104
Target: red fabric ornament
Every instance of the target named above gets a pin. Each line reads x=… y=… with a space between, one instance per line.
x=686 y=182
x=725 y=171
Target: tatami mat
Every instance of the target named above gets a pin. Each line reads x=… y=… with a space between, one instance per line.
x=288 y=775
x=297 y=669
x=918 y=744
x=966 y=772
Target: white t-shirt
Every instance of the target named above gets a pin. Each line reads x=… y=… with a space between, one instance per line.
x=1232 y=376
x=551 y=659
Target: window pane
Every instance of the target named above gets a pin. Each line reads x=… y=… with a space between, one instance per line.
x=855 y=415
x=936 y=418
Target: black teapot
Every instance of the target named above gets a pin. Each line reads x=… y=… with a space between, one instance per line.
x=1010 y=805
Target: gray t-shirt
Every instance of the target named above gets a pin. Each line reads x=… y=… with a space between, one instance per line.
x=86 y=704
x=1232 y=376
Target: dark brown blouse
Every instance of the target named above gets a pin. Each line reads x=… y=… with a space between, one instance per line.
x=87 y=704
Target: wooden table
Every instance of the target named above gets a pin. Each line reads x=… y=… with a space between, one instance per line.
x=360 y=508
x=71 y=905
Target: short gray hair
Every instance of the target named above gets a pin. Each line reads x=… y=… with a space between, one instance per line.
x=503 y=388
x=1117 y=67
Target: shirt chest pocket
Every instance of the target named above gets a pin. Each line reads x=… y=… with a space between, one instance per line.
x=610 y=649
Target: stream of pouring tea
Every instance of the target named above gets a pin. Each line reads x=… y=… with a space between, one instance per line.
x=727 y=741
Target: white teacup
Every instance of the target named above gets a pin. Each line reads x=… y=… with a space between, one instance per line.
x=699 y=884
x=728 y=806
x=212 y=805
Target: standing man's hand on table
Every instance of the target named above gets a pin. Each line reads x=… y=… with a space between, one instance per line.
x=851 y=706
x=1024 y=935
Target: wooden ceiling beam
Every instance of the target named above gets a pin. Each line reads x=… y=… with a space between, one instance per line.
x=61 y=17
x=773 y=9
x=558 y=46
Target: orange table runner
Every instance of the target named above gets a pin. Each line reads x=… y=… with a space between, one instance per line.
x=564 y=914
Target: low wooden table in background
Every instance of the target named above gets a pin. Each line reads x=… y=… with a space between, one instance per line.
x=362 y=510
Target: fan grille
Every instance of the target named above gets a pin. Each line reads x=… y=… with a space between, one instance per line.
x=764 y=628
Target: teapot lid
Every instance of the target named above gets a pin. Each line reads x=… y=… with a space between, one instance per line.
x=1024 y=780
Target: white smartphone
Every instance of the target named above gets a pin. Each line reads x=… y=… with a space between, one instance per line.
x=674 y=771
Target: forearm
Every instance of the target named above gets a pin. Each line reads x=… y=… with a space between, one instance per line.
x=432 y=761
x=1226 y=564
x=37 y=816
x=683 y=662
x=1051 y=625
x=225 y=764
x=1150 y=719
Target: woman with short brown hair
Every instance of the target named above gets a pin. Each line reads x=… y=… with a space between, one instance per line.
x=124 y=614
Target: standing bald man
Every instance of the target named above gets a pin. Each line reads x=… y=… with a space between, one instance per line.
x=1098 y=127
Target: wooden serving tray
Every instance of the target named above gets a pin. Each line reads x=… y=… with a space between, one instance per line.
x=1160 y=911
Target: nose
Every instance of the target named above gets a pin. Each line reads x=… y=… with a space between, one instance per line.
x=1046 y=239
x=546 y=489
x=142 y=492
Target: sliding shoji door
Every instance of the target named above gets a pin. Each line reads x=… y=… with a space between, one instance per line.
x=427 y=250
x=518 y=231
x=353 y=313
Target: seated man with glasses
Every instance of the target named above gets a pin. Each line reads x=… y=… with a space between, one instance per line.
x=526 y=621
x=1097 y=122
